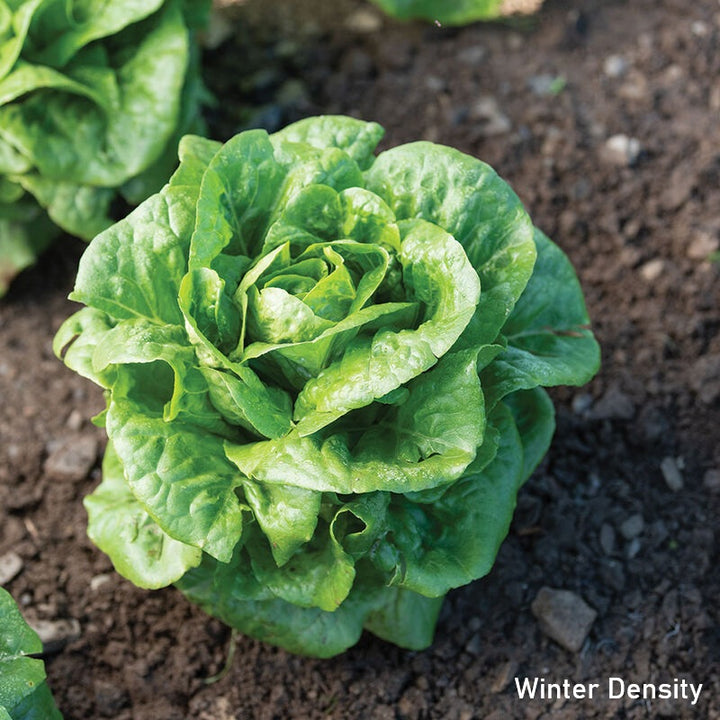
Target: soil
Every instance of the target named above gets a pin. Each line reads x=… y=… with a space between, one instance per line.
x=603 y=115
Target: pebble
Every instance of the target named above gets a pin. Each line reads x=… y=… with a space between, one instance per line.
x=632 y=526
x=491 y=119
x=364 y=21
x=613 y=575
x=671 y=473
x=652 y=269
x=474 y=645
x=615 y=66
x=98 y=581
x=472 y=55
x=711 y=480
x=614 y=405
x=633 y=548
x=546 y=84
x=74 y=420
x=607 y=539
x=563 y=616
x=10 y=566
x=703 y=245
x=55 y=634
x=505 y=673
x=621 y=150
x=73 y=458
x=581 y=403
x=705 y=378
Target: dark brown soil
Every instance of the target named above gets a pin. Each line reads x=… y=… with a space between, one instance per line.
x=539 y=103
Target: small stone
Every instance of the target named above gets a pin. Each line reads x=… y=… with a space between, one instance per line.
x=435 y=84
x=702 y=246
x=472 y=55
x=563 y=616
x=652 y=270
x=633 y=548
x=621 y=150
x=219 y=29
x=364 y=21
x=711 y=480
x=614 y=405
x=632 y=526
x=506 y=672
x=607 y=539
x=705 y=378
x=10 y=566
x=615 y=66
x=72 y=458
x=671 y=473
x=613 y=575
x=74 y=420
x=55 y=634
x=581 y=403
x=98 y=581
x=545 y=84
x=491 y=120
x=474 y=645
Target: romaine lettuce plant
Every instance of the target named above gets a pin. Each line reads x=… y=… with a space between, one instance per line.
x=24 y=694
x=94 y=97
x=323 y=372
x=456 y=12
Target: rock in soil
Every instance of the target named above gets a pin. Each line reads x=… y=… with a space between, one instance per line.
x=73 y=458
x=563 y=616
x=10 y=566
x=671 y=473
x=55 y=634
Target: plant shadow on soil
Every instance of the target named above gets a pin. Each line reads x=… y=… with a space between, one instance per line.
x=639 y=221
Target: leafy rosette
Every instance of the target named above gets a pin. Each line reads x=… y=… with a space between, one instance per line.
x=24 y=693
x=94 y=97
x=323 y=373
x=457 y=12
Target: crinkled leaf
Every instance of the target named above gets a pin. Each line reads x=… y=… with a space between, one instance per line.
x=119 y=525
x=436 y=269
x=435 y=547
x=548 y=336
x=135 y=267
x=465 y=197
x=288 y=515
x=355 y=137
x=418 y=446
x=179 y=476
x=82 y=210
x=321 y=575
x=123 y=123
x=232 y=593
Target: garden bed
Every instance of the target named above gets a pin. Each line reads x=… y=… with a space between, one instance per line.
x=604 y=118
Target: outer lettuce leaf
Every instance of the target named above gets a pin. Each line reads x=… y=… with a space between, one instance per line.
x=324 y=374
x=121 y=528
x=24 y=694
x=548 y=335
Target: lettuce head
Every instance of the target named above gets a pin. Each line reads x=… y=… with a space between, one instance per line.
x=324 y=373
